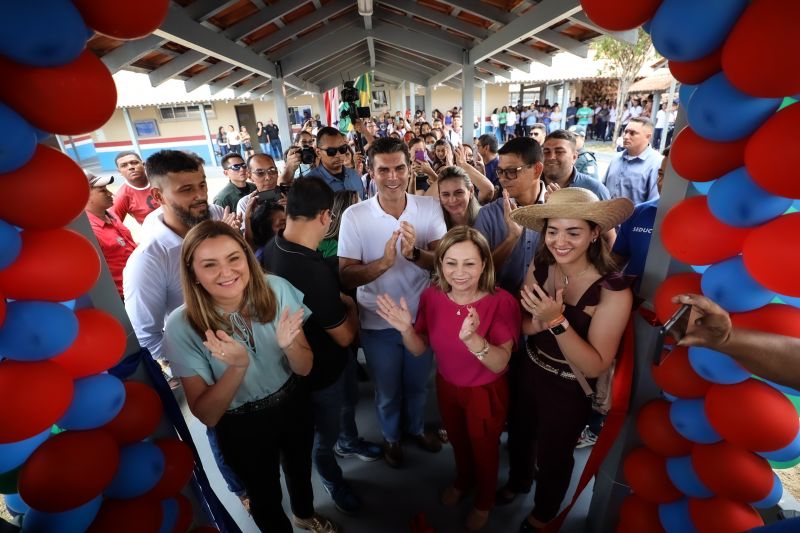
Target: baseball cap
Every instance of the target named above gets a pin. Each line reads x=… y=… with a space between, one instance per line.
x=577 y=131
x=96 y=181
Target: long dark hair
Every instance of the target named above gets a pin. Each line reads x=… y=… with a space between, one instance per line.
x=598 y=253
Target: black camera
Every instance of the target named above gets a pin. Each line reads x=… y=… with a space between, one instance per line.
x=350 y=97
x=308 y=155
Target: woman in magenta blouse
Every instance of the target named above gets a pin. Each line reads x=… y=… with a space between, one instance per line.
x=472 y=327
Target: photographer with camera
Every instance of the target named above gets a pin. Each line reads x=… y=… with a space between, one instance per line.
x=301 y=158
x=264 y=173
x=332 y=150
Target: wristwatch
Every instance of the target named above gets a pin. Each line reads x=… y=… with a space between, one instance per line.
x=559 y=328
x=415 y=255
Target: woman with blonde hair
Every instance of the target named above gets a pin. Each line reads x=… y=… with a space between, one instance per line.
x=457 y=196
x=579 y=305
x=472 y=327
x=237 y=344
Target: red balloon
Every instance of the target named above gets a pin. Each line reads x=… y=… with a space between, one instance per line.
x=620 y=15
x=773 y=318
x=753 y=68
x=185 y=514
x=54 y=180
x=78 y=97
x=639 y=515
x=138 y=515
x=759 y=155
x=676 y=376
x=693 y=235
x=698 y=71
x=68 y=470
x=686 y=282
x=123 y=20
x=732 y=472
x=34 y=396
x=646 y=472
x=54 y=265
x=657 y=433
x=140 y=415
x=178 y=467
x=717 y=515
x=695 y=158
x=100 y=344
x=752 y=415
x=770 y=258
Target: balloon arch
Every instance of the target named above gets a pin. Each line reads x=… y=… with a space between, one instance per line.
x=76 y=446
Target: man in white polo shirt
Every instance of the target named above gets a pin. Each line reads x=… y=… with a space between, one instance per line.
x=386 y=246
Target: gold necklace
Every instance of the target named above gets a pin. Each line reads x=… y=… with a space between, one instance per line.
x=460 y=307
x=579 y=274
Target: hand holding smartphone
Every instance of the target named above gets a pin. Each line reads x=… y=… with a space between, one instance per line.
x=673 y=330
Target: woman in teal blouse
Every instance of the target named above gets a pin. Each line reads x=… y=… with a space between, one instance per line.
x=237 y=345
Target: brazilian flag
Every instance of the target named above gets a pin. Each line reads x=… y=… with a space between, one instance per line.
x=364 y=86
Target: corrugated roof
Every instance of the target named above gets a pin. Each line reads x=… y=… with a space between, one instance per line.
x=565 y=67
x=660 y=81
x=135 y=90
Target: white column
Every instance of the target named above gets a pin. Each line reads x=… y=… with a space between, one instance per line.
x=412 y=88
x=481 y=122
x=282 y=112
x=207 y=132
x=402 y=99
x=131 y=131
x=429 y=103
x=323 y=117
x=564 y=104
x=468 y=100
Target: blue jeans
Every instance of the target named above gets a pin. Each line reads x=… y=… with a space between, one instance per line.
x=348 y=431
x=264 y=148
x=401 y=381
x=277 y=150
x=234 y=485
x=327 y=405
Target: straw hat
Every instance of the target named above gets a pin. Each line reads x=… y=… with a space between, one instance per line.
x=575 y=202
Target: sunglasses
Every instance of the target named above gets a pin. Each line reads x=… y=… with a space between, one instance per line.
x=264 y=171
x=237 y=166
x=330 y=152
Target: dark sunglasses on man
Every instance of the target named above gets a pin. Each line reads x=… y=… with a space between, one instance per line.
x=330 y=151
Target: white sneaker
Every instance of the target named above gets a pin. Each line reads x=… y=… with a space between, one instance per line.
x=588 y=438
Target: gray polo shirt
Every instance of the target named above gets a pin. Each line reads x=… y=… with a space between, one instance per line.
x=634 y=177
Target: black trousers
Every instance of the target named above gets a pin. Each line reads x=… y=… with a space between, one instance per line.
x=546 y=416
x=256 y=444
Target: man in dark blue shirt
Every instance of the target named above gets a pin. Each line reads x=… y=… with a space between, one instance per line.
x=487 y=146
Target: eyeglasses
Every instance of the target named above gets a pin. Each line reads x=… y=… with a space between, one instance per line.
x=330 y=151
x=260 y=172
x=237 y=166
x=509 y=173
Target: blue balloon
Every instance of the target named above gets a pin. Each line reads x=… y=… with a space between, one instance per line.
x=69 y=304
x=790 y=300
x=738 y=201
x=41 y=134
x=682 y=474
x=42 y=34
x=141 y=465
x=647 y=25
x=699 y=268
x=730 y=285
x=774 y=495
x=685 y=94
x=34 y=331
x=75 y=520
x=689 y=418
x=18 y=148
x=96 y=401
x=716 y=367
x=14 y=454
x=703 y=186
x=720 y=112
x=686 y=30
x=675 y=517
x=789 y=452
x=170 y=512
x=10 y=244
x=15 y=504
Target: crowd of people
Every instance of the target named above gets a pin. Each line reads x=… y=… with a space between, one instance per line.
x=501 y=265
x=231 y=141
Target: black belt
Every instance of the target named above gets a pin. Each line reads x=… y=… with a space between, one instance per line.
x=273 y=400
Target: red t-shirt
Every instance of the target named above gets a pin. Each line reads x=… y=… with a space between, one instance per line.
x=115 y=241
x=136 y=202
x=500 y=322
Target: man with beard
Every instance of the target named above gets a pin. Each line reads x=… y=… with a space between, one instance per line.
x=560 y=153
x=151 y=278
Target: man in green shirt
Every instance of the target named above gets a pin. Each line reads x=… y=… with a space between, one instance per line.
x=584 y=116
x=234 y=167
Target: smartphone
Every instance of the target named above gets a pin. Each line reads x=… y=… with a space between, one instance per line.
x=673 y=330
x=419 y=155
x=271 y=195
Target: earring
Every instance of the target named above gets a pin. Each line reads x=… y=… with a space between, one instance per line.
x=594 y=240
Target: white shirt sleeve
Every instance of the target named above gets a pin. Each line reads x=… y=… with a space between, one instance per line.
x=349 y=240
x=145 y=289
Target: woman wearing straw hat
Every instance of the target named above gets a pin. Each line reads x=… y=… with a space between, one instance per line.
x=579 y=305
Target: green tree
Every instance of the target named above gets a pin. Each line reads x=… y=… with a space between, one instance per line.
x=623 y=61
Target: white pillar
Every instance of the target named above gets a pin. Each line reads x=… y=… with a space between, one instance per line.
x=282 y=112
x=323 y=117
x=564 y=104
x=482 y=121
x=429 y=103
x=131 y=131
x=412 y=88
x=468 y=100
x=207 y=132
x=402 y=99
